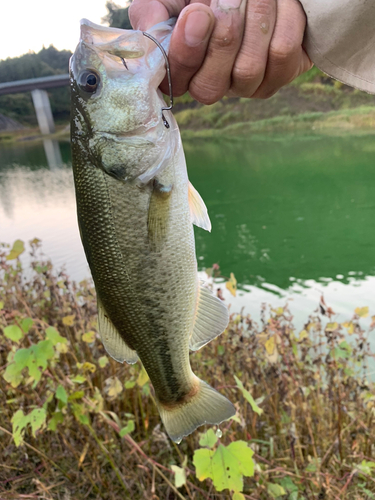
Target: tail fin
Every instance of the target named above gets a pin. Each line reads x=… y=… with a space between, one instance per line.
x=207 y=406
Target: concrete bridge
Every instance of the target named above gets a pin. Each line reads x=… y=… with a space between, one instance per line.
x=41 y=102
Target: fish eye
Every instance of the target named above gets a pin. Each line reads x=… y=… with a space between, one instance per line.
x=88 y=81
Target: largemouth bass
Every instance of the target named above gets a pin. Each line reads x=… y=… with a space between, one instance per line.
x=136 y=210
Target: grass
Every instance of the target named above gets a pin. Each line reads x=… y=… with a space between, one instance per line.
x=305 y=403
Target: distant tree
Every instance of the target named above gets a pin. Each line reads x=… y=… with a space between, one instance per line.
x=117 y=17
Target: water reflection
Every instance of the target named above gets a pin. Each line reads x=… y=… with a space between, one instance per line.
x=53 y=154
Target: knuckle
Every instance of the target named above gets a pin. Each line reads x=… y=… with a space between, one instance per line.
x=205 y=94
x=224 y=41
x=249 y=75
x=284 y=48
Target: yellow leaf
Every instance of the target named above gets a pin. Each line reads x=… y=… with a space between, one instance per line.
x=270 y=345
x=237 y=319
x=142 y=377
x=68 y=320
x=279 y=311
x=88 y=337
x=303 y=335
x=113 y=387
x=362 y=312
x=349 y=325
x=331 y=327
x=88 y=367
x=17 y=249
x=63 y=348
x=232 y=284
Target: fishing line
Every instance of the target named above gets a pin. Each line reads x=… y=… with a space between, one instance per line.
x=167 y=108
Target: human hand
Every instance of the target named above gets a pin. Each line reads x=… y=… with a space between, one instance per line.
x=243 y=48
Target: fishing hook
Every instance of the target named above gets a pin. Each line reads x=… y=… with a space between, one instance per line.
x=166 y=124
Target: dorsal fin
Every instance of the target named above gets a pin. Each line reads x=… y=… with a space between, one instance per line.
x=113 y=342
x=198 y=210
x=211 y=319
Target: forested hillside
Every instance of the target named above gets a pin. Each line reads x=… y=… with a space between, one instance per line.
x=49 y=61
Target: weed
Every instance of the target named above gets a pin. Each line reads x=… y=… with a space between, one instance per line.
x=76 y=424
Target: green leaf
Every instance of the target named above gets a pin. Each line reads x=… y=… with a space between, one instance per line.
x=76 y=395
x=36 y=419
x=103 y=361
x=13 y=375
x=238 y=496
x=129 y=428
x=366 y=467
x=79 y=379
x=17 y=249
x=129 y=384
x=208 y=439
x=226 y=466
x=1 y=304
x=79 y=413
x=275 y=490
x=249 y=398
x=35 y=357
x=57 y=418
x=41 y=353
x=19 y=422
x=84 y=419
x=288 y=485
x=26 y=324
x=179 y=476
x=61 y=394
x=313 y=465
x=53 y=335
x=14 y=333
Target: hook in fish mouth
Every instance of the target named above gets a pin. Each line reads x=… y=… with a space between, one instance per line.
x=165 y=108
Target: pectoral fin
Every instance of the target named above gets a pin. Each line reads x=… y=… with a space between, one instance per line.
x=158 y=214
x=211 y=319
x=113 y=342
x=198 y=210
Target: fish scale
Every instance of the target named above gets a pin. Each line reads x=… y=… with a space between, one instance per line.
x=136 y=210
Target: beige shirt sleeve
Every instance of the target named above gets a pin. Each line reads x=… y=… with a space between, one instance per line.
x=340 y=40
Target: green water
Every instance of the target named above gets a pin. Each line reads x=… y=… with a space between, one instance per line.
x=292 y=216
x=300 y=207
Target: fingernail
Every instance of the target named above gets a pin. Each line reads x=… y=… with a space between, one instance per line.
x=230 y=4
x=197 y=26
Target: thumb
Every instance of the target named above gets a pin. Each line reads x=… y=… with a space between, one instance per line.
x=144 y=14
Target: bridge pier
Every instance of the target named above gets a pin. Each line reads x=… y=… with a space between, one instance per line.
x=43 y=111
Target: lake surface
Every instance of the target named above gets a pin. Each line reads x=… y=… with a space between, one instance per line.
x=292 y=216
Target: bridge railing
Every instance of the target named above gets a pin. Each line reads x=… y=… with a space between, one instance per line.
x=39 y=95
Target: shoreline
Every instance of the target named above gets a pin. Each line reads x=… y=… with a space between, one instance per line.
x=360 y=120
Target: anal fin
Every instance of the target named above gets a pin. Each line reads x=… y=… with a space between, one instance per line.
x=211 y=319
x=113 y=342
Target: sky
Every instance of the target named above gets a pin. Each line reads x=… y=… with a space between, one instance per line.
x=30 y=24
